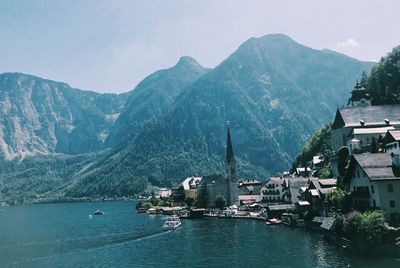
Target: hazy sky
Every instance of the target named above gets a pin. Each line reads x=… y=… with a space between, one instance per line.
x=109 y=46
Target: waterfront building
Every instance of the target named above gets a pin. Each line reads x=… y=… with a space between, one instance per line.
x=190 y=185
x=250 y=192
x=293 y=187
x=272 y=191
x=316 y=193
x=164 y=193
x=374 y=182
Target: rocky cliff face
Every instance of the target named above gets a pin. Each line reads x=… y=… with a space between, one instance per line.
x=43 y=116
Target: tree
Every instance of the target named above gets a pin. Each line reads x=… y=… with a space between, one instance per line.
x=371 y=227
x=220 y=202
x=337 y=199
x=342 y=154
x=374 y=146
x=201 y=200
x=189 y=201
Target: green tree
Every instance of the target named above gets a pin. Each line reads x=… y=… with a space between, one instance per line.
x=220 y=202
x=337 y=199
x=343 y=154
x=201 y=200
x=189 y=201
x=371 y=227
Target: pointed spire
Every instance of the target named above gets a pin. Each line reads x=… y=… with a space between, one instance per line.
x=229 y=150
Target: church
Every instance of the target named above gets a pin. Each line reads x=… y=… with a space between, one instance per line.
x=225 y=186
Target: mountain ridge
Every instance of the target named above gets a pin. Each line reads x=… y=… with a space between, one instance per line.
x=274 y=91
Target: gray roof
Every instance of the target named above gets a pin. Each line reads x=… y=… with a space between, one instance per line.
x=275 y=180
x=377 y=166
x=371 y=115
x=211 y=178
x=297 y=182
x=328 y=223
x=318 y=219
x=327 y=182
x=322 y=186
x=280 y=207
x=373 y=160
x=395 y=134
x=250 y=190
x=372 y=130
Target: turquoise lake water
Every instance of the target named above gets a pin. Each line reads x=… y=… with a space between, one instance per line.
x=63 y=235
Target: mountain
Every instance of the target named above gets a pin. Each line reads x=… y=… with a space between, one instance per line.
x=39 y=116
x=152 y=97
x=275 y=93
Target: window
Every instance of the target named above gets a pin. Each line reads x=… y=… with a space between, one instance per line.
x=373 y=203
x=392 y=204
x=365 y=174
x=354 y=188
x=372 y=189
x=358 y=174
x=390 y=188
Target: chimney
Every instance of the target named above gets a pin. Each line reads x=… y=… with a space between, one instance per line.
x=362 y=122
x=387 y=121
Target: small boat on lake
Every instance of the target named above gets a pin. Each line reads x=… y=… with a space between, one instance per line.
x=273 y=221
x=98 y=212
x=172 y=223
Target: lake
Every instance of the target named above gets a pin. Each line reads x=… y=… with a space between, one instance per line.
x=63 y=235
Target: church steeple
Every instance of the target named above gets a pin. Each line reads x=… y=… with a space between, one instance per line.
x=359 y=96
x=229 y=150
x=231 y=179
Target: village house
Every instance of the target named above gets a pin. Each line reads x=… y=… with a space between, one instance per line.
x=374 y=182
x=272 y=191
x=302 y=172
x=164 y=193
x=294 y=186
x=249 y=192
x=190 y=186
x=363 y=123
x=316 y=193
x=392 y=141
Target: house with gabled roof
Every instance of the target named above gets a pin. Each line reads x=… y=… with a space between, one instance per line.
x=348 y=119
x=317 y=191
x=272 y=190
x=250 y=193
x=392 y=141
x=374 y=182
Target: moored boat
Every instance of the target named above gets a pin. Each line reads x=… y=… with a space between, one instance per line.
x=273 y=221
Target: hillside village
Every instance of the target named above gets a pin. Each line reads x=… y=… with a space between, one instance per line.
x=365 y=168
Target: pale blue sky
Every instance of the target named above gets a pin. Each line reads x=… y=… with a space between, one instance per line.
x=109 y=46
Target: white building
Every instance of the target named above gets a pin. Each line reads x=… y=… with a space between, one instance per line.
x=374 y=182
x=164 y=193
x=190 y=186
x=363 y=123
x=392 y=141
x=272 y=190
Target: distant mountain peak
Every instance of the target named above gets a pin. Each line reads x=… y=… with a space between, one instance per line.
x=188 y=62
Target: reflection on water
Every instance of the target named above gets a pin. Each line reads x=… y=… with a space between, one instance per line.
x=62 y=235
